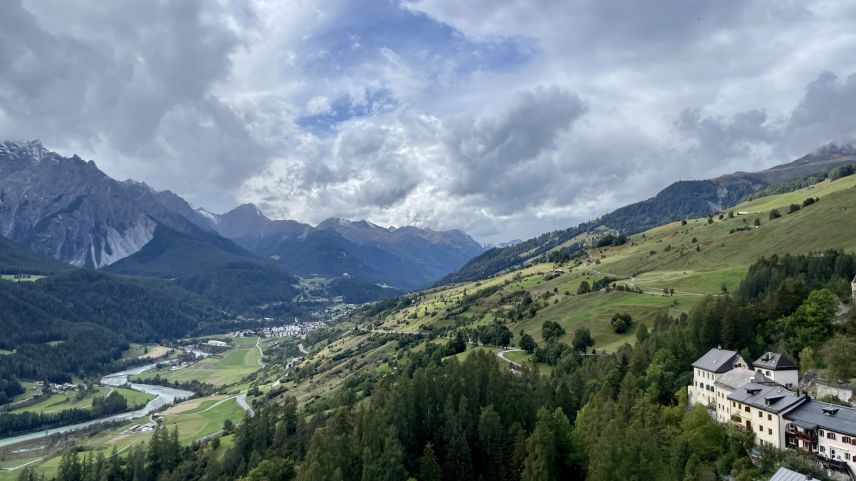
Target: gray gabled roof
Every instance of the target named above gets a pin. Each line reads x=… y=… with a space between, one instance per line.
x=785 y=474
x=823 y=415
x=735 y=378
x=769 y=396
x=716 y=360
x=774 y=361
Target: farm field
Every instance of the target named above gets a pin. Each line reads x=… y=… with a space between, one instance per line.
x=195 y=418
x=16 y=278
x=222 y=369
x=62 y=401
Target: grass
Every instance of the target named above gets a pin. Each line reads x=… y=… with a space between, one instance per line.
x=222 y=369
x=146 y=351
x=14 y=278
x=60 y=402
x=195 y=419
x=694 y=260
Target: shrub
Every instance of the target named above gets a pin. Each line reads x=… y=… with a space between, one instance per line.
x=621 y=322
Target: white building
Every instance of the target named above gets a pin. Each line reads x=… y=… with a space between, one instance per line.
x=707 y=370
x=727 y=384
x=216 y=343
x=778 y=368
x=760 y=405
x=826 y=430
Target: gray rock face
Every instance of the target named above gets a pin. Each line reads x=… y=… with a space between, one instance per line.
x=68 y=209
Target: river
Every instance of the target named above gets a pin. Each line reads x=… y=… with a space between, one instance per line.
x=163 y=396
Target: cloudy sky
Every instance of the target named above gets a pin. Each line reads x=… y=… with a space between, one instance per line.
x=505 y=118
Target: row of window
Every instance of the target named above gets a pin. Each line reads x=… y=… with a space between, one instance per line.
x=833 y=436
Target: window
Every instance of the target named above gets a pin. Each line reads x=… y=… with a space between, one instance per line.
x=845 y=439
x=769 y=417
x=822 y=449
x=760 y=414
x=761 y=429
x=770 y=432
x=830 y=436
x=820 y=432
x=847 y=456
x=746 y=408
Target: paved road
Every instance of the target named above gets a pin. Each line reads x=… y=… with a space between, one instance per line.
x=22 y=465
x=219 y=403
x=501 y=355
x=242 y=401
x=261 y=354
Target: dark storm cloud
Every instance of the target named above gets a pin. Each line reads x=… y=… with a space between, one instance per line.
x=133 y=81
x=505 y=155
x=493 y=116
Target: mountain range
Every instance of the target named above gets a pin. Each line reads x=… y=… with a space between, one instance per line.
x=70 y=210
x=680 y=200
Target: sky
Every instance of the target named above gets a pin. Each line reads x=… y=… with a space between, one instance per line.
x=504 y=118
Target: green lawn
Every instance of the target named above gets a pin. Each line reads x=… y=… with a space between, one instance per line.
x=14 y=278
x=201 y=419
x=222 y=369
x=59 y=402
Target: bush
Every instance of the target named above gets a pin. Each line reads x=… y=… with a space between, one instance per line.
x=621 y=322
x=793 y=208
x=775 y=214
x=809 y=201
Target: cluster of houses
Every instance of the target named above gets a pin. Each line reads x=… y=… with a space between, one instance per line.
x=292 y=330
x=763 y=396
x=56 y=387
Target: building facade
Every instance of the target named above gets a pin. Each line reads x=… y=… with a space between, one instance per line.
x=778 y=368
x=826 y=430
x=759 y=406
x=707 y=370
x=724 y=386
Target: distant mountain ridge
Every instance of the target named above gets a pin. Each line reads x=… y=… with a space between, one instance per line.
x=68 y=209
x=682 y=199
x=405 y=257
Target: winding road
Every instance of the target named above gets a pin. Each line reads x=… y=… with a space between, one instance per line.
x=501 y=355
x=242 y=401
x=302 y=349
x=261 y=354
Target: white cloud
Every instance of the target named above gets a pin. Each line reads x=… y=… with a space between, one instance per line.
x=495 y=117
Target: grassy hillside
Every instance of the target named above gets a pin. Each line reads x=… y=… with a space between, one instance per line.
x=680 y=200
x=694 y=260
